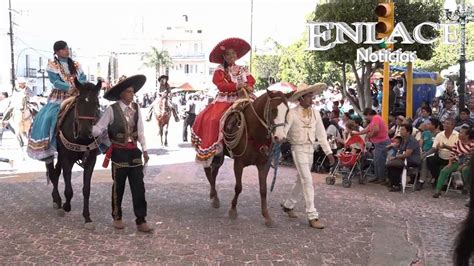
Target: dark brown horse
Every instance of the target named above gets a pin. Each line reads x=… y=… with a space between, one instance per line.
x=248 y=136
x=163 y=110
x=76 y=145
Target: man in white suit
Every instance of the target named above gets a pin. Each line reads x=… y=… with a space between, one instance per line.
x=304 y=129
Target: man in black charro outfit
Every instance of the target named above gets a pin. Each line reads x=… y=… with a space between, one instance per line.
x=124 y=124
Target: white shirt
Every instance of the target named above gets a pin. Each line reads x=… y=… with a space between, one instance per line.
x=108 y=118
x=442 y=139
x=301 y=131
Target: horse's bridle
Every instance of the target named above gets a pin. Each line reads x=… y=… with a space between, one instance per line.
x=80 y=117
x=267 y=122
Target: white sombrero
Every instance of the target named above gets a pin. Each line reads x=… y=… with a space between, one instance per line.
x=305 y=89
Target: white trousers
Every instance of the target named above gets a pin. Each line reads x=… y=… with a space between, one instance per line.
x=303 y=158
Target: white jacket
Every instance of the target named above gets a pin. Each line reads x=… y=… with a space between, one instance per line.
x=301 y=131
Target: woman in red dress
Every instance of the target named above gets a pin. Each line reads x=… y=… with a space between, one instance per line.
x=230 y=80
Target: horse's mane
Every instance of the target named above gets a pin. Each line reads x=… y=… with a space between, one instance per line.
x=464 y=247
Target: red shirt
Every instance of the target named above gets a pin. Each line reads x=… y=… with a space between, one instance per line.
x=382 y=134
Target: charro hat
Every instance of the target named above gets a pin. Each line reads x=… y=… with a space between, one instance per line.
x=305 y=89
x=240 y=46
x=137 y=82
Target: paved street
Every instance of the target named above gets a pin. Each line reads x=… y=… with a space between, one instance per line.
x=366 y=225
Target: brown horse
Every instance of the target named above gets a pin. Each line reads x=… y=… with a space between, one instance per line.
x=249 y=133
x=163 y=110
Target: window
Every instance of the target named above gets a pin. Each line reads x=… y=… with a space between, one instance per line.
x=186 y=69
x=91 y=78
x=199 y=31
x=31 y=72
x=211 y=71
x=196 y=48
x=188 y=31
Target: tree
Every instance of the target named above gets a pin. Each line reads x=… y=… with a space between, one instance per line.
x=265 y=68
x=298 y=65
x=410 y=13
x=157 y=59
x=446 y=55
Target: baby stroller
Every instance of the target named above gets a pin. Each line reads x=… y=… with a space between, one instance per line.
x=350 y=162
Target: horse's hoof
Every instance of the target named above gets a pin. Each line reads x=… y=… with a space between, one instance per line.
x=233 y=214
x=56 y=205
x=61 y=212
x=269 y=224
x=67 y=207
x=215 y=202
x=89 y=226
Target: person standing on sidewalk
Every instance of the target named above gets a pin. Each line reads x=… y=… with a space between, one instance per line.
x=124 y=124
x=190 y=117
x=377 y=133
x=304 y=127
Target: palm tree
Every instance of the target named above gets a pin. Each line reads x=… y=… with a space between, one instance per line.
x=157 y=59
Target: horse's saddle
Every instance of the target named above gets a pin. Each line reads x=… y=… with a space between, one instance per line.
x=231 y=120
x=66 y=105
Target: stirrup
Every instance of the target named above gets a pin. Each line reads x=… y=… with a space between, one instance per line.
x=80 y=163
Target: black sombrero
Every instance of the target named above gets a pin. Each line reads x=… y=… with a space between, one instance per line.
x=137 y=82
x=163 y=77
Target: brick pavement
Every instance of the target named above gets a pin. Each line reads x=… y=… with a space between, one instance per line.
x=365 y=224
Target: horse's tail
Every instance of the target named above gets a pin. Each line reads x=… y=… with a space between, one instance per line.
x=463 y=246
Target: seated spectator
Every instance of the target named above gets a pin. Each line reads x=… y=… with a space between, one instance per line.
x=431 y=129
x=435 y=108
x=393 y=148
x=334 y=134
x=442 y=146
x=449 y=111
x=450 y=92
x=395 y=130
x=419 y=111
x=416 y=133
x=458 y=160
x=424 y=117
x=345 y=118
x=428 y=135
x=470 y=106
x=464 y=119
x=410 y=151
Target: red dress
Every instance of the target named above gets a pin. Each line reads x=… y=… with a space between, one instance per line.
x=205 y=134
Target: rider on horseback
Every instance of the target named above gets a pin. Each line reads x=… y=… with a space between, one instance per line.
x=61 y=73
x=232 y=81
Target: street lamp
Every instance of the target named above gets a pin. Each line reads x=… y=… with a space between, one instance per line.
x=457 y=11
x=42 y=71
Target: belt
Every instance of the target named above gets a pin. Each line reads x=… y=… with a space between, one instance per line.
x=108 y=154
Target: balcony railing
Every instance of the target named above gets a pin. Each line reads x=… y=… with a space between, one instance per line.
x=189 y=56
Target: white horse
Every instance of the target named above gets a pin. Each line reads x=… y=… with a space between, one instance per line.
x=19 y=117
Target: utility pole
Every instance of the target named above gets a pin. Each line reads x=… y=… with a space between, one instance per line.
x=12 y=53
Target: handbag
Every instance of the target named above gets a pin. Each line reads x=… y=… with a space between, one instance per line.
x=397 y=163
